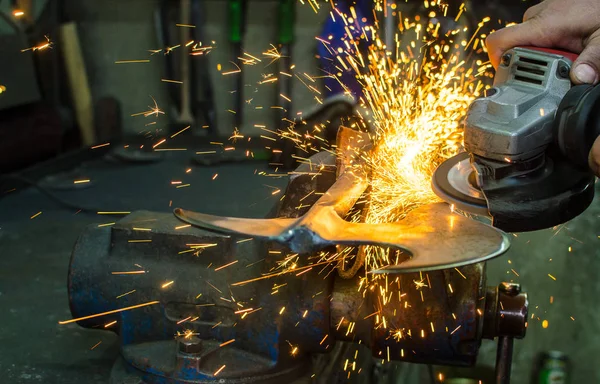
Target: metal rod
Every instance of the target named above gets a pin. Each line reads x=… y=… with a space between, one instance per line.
x=504 y=359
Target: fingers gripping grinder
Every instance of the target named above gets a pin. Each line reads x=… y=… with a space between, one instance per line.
x=527 y=143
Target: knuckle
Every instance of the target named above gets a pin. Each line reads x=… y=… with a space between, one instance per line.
x=530 y=13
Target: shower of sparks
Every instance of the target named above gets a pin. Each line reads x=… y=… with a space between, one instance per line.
x=416 y=105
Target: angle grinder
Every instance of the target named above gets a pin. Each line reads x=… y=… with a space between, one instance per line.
x=527 y=142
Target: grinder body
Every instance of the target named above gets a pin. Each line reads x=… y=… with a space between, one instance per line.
x=526 y=145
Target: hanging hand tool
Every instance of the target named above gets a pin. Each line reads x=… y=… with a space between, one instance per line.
x=237 y=28
x=285 y=40
x=185 y=116
x=527 y=143
x=284 y=148
x=200 y=71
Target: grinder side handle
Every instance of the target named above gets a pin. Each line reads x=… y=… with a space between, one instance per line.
x=577 y=123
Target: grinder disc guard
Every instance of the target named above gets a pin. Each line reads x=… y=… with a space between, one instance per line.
x=454 y=182
x=526 y=196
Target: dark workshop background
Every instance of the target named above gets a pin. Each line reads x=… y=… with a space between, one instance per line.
x=42 y=140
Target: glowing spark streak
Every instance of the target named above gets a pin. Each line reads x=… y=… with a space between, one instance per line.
x=128 y=273
x=218 y=290
x=278 y=274
x=372 y=314
x=243 y=310
x=109 y=324
x=552 y=277
x=244 y=240
x=170 y=149
x=97 y=344
x=184 y=129
x=125 y=294
x=81 y=181
x=159 y=143
x=140 y=241
x=106 y=225
x=323 y=340
x=219 y=370
x=113 y=213
x=226 y=265
x=183 y=186
x=185 y=25
x=36 y=215
x=183 y=226
x=171 y=81
x=108 y=312
x=142 y=229
x=463 y=276
x=165 y=285
x=99 y=145
x=226 y=343
x=456 y=329
x=202 y=245
x=306 y=270
x=282 y=310
x=238 y=70
x=131 y=61
x=254 y=58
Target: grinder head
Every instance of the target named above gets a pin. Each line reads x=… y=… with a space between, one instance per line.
x=514 y=169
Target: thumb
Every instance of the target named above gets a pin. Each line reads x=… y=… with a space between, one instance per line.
x=585 y=69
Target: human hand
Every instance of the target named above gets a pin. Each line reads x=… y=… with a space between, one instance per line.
x=570 y=25
x=562 y=24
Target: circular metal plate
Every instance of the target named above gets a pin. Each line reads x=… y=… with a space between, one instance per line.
x=451 y=183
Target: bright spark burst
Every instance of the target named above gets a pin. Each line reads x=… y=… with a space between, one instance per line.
x=416 y=104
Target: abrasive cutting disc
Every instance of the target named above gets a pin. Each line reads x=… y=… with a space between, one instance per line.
x=454 y=182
